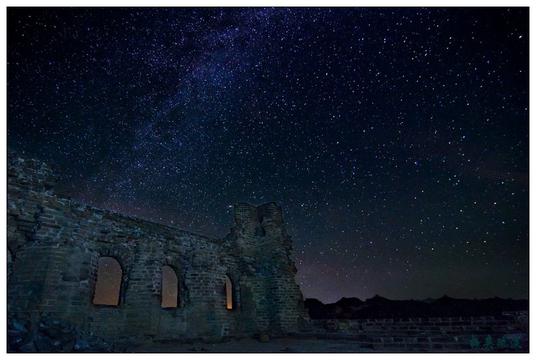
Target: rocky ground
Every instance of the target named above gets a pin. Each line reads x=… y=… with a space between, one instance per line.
x=51 y=335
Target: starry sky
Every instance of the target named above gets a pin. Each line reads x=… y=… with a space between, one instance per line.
x=395 y=139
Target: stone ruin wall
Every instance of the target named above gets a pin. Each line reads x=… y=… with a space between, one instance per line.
x=507 y=332
x=54 y=244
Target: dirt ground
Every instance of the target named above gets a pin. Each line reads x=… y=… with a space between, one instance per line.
x=253 y=345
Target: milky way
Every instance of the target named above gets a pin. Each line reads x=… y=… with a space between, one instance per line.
x=396 y=140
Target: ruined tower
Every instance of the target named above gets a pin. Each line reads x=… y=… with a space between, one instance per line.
x=270 y=292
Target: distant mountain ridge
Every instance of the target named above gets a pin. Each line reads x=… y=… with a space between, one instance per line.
x=380 y=307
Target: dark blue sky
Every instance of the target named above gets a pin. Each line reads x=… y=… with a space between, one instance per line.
x=396 y=140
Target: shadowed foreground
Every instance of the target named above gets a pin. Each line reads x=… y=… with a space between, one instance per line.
x=505 y=333
x=254 y=345
x=307 y=345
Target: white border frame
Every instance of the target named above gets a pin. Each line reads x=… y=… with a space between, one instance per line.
x=238 y=3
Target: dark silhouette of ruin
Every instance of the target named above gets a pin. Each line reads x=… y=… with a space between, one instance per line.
x=241 y=284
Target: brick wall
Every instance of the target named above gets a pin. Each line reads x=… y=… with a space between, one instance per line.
x=508 y=332
x=55 y=243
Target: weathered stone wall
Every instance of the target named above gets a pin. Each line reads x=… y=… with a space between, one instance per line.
x=269 y=293
x=508 y=332
x=55 y=243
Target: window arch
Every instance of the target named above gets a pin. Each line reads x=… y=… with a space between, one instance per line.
x=108 y=284
x=170 y=288
x=229 y=292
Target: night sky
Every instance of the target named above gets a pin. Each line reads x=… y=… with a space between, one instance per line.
x=396 y=140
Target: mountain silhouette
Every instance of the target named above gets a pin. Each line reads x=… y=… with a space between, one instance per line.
x=380 y=307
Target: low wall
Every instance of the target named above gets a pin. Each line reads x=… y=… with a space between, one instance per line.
x=505 y=333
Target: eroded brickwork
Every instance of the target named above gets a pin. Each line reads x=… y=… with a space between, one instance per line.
x=54 y=245
x=499 y=333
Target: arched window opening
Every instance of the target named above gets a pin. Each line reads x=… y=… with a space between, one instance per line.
x=228 y=293
x=170 y=288
x=108 y=285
